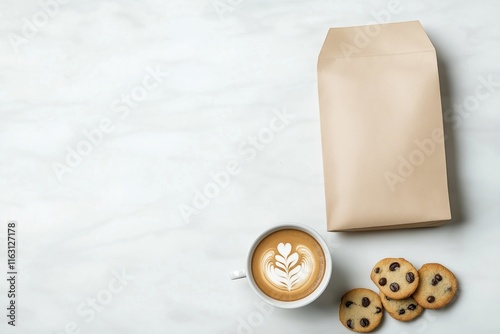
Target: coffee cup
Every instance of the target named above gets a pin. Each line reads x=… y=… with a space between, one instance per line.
x=288 y=266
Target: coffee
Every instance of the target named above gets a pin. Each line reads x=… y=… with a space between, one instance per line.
x=288 y=264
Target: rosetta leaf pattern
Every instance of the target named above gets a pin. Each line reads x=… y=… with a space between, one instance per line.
x=285 y=269
x=286 y=265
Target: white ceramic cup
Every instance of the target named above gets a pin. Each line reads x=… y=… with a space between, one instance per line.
x=237 y=274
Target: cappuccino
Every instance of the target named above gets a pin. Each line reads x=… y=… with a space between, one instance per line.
x=288 y=265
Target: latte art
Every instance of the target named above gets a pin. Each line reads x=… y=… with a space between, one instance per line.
x=288 y=264
x=288 y=271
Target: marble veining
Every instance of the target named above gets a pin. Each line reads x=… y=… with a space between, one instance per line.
x=145 y=144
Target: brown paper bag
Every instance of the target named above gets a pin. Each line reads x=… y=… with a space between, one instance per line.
x=382 y=129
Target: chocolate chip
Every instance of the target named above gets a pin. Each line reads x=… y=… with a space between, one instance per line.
x=382 y=281
x=410 y=277
x=377 y=270
x=365 y=302
x=394 y=287
x=411 y=307
x=401 y=312
x=378 y=310
x=434 y=282
x=438 y=277
x=349 y=324
x=348 y=303
x=431 y=299
x=393 y=266
x=364 y=322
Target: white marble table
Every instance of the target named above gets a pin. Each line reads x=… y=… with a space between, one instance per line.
x=116 y=115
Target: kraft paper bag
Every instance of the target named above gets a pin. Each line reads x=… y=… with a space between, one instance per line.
x=382 y=129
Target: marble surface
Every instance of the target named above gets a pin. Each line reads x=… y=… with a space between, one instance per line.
x=116 y=115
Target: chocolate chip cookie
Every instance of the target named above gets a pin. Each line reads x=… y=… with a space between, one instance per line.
x=361 y=310
x=395 y=277
x=437 y=287
x=401 y=309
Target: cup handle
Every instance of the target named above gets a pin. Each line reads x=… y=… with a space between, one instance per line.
x=237 y=274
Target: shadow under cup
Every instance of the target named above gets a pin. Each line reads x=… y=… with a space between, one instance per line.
x=289 y=266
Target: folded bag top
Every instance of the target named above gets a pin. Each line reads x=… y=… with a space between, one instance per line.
x=382 y=128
